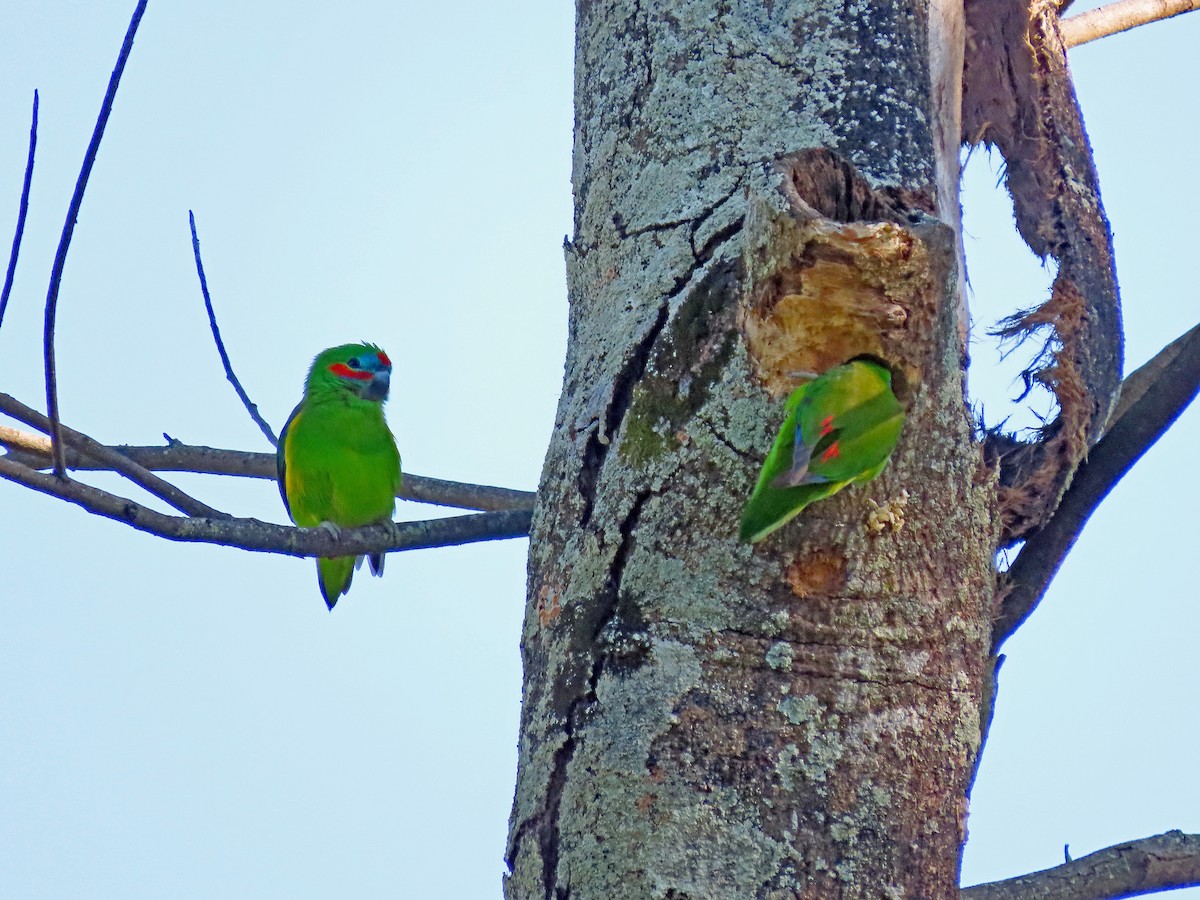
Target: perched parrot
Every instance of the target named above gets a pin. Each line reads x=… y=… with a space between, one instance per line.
x=337 y=461
x=841 y=427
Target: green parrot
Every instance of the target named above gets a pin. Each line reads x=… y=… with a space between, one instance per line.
x=337 y=460
x=841 y=427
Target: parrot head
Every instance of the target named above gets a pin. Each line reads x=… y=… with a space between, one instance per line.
x=359 y=370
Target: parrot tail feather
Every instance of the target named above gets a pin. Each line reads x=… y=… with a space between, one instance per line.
x=334 y=575
x=377 y=561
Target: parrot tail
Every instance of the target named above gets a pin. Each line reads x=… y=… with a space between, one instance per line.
x=334 y=576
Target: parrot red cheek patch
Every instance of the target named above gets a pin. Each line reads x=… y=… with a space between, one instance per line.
x=344 y=371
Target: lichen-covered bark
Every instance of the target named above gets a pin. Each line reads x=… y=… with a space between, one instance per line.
x=704 y=719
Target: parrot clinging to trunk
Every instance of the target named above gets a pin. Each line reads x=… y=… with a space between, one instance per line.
x=337 y=461
x=841 y=426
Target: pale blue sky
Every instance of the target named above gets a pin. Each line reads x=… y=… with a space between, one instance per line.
x=188 y=721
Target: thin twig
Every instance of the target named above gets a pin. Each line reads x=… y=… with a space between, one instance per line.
x=266 y=537
x=64 y=241
x=1120 y=16
x=1146 y=866
x=22 y=210
x=111 y=460
x=1161 y=396
x=34 y=451
x=251 y=407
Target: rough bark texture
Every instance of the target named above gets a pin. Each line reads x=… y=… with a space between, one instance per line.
x=703 y=719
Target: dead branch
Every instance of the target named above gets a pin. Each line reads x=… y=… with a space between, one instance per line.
x=64 y=241
x=265 y=537
x=22 y=210
x=251 y=407
x=114 y=461
x=1123 y=15
x=1158 y=392
x=1146 y=866
x=33 y=450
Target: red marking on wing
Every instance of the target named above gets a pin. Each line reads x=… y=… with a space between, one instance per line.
x=826 y=425
x=831 y=453
x=383 y=358
x=344 y=371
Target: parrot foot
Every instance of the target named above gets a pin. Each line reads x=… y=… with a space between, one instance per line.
x=333 y=529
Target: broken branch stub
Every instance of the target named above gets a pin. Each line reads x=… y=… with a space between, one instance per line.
x=1018 y=96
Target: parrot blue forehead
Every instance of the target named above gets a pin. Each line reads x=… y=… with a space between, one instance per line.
x=372 y=359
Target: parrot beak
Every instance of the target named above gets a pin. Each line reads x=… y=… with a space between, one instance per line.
x=377 y=387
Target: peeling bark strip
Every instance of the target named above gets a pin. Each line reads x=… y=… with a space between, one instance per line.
x=702 y=719
x=1018 y=96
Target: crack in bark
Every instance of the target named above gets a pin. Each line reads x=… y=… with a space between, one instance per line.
x=717 y=436
x=641 y=90
x=546 y=822
x=599 y=441
x=623 y=232
x=718 y=239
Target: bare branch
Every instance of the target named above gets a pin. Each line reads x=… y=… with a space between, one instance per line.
x=22 y=210
x=33 y=451
x=1120 y=16
x=266 y=537
x=1158 y=392
x=1146 y=866
x=111 y=460
x=64 y=241
x=1149 y=374
x=251 y=407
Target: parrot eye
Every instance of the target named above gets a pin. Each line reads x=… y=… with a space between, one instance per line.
x=354 y=363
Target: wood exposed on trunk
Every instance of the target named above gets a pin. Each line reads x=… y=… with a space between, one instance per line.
x=837 y=278
x=703 y=719
x=1019 y=97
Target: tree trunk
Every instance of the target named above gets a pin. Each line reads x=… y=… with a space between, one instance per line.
x=704 y=719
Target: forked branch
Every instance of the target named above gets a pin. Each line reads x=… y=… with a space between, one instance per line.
x=109 y=459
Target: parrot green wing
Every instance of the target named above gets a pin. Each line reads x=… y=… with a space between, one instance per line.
x=839 y=428
x=770 y=507
x=281 y=460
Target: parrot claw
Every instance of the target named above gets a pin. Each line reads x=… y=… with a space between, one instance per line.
x=335 y=530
